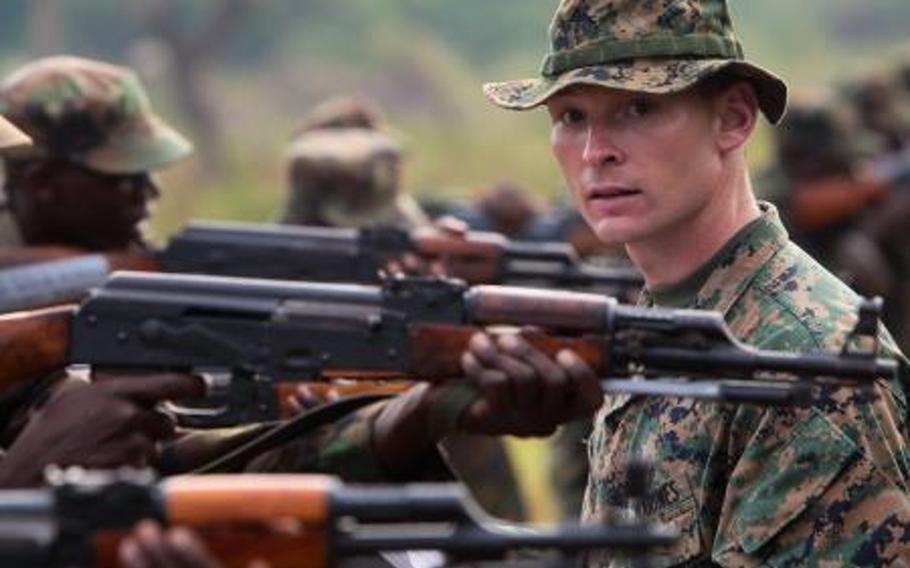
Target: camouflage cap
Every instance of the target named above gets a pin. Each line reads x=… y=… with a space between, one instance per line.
x=10 y=136
x=640 y=45
x=343 y=111
x=352 y=173
x=90 y=113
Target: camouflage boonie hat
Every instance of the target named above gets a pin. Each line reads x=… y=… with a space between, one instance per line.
x=647 y=46
x=10 y=136
x=353 y=174
x=90 y=113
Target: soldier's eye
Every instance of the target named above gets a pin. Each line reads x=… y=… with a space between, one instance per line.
x=571 y=116
x=638 y=108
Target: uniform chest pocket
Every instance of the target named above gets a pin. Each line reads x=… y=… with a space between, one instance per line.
x=789 y=479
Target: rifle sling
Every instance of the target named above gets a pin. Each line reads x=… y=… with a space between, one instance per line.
x=287 y=431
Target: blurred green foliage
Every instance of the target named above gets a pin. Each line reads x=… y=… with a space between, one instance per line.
x=424 y=61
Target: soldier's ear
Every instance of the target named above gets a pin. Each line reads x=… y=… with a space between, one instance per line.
x=735 y=115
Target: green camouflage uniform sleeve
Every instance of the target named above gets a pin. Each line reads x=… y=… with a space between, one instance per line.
x=752 y=486
x=344 y=448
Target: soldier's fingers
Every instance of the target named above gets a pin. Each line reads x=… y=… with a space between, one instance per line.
x=543 y=365
x=493 y=384
x=129 y=555
x=554 y=387
x=149 y=389
x=150 y=544
x=525 y=382
x=483 y=349
x=190 y=549
x=412 y=264
x=587 y=385
x=451 y=226
x=155 y=424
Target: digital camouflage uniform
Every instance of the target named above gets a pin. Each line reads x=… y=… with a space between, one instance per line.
x=745 y=485
x=750 y=486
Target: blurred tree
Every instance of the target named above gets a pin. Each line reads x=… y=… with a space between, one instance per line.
x=190 y=51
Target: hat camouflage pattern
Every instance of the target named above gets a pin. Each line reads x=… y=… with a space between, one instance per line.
x=647 y=46
x=10 y=136
x=91 y=113
x=343 y=111
x=352 y=173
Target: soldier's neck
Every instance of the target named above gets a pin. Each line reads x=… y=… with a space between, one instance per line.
x=672 y=255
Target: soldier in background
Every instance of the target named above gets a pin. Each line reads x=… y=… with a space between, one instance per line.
x=505 y=207
x=345 y=171
x=881 y=110
x=86 y=181
x=843 y=213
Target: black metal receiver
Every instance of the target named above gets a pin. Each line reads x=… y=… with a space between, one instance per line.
x=321 y=254
x=76 y=523
x=260 y=331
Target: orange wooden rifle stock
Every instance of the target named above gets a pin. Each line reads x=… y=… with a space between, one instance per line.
x=287 y=520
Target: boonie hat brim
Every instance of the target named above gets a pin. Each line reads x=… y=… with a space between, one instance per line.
x=655 y=76
x=144 y=146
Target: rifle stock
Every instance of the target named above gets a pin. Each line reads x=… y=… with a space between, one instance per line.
x=34 y=344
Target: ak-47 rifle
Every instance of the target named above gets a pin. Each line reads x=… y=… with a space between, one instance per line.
x=315 y=254
x=308 y=521
x=260 y=331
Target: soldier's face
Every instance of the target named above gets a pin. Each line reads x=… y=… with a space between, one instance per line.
x=639 y=166
x=79 y=207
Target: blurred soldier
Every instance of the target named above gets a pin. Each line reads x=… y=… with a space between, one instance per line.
x=505 y=207
x=86 y=181
x=344 y=172
x=845 y=215
x=880 y=109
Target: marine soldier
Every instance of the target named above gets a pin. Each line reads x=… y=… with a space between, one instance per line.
x=651 y=105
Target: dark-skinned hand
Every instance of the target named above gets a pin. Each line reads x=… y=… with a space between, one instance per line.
x=522 y=392
x=108 y=423
x=151 y=547
x=525 y=392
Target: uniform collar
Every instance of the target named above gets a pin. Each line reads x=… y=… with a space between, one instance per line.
x=719 y=283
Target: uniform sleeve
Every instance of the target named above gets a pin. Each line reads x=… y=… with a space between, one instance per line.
x=345 y=449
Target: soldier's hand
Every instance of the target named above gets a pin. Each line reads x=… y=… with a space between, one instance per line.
x=109 y=423
x=523 y=391
x=306 y=397
x=151 y=547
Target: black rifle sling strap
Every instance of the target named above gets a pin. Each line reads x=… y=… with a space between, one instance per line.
x=288 y=431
